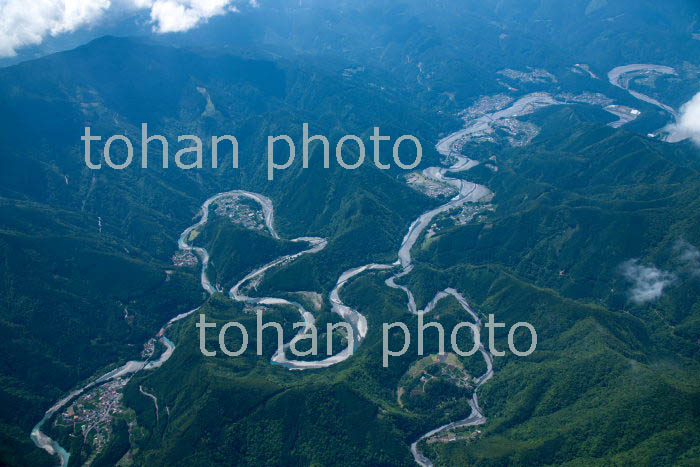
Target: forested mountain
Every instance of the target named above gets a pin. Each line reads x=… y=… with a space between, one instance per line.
x=98 y=244
x=586 y=228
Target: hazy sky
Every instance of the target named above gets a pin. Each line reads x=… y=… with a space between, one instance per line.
x=25 y=22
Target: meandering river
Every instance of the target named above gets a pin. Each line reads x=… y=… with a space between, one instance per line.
x=619 y=77
x=467 y=192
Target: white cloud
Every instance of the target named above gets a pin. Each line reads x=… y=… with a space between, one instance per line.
x=689 y=256
x=28 y=22
x=648 y=282
x=181 y=15
x=688 y=123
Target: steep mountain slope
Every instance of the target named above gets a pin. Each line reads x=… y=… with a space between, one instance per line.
x=602 y=365
x=85 y=253
x=586 y=224
x=572 y=210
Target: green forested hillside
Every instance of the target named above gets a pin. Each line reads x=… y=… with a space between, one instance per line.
x=610 y=382
x=579 y=215
x=614 y=381
x=85 y=253
x=73 y=301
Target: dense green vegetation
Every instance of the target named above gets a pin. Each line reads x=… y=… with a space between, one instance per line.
x=73 y=301
x=604 y=367
x=235 y=249
x=612 y=381
x=80 y=247
x=84 y=254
